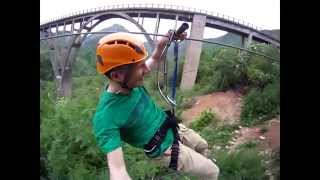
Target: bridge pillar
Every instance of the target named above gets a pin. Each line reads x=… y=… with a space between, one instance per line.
x=65 y=83
x=245 y=44
x=157 y=27
x=243 y=41
x=142 y=21
x=193 y=52
x=249 y=40
x=138 y=18
x=62 y=55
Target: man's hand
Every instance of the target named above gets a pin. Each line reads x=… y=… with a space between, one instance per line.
x=164 y=40
x=160 y=45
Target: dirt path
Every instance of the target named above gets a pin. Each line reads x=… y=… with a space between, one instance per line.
x=226 y=105
x=269 y=139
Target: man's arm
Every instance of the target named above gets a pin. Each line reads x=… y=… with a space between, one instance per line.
x=117 y=166
x=155 y=57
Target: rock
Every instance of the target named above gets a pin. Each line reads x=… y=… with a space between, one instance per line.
x=236 y=131
x=268 y=162
x=217 y=147
x=262 y=137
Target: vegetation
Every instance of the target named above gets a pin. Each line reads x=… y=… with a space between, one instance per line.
x=244 y=163
x=68 y=148
x=206 y=117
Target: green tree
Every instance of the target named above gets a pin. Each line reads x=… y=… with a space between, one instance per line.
x=46 y=71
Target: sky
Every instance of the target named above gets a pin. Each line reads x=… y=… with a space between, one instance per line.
x=261 y=13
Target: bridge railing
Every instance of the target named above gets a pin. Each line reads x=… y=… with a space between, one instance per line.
x=152 y=5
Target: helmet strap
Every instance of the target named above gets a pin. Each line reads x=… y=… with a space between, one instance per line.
x=124 y=84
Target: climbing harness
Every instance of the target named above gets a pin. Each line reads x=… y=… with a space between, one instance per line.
x=152 y=148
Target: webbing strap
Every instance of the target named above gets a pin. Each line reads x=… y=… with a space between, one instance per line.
x=174 y=155
x=157 y=139
x=175 y=72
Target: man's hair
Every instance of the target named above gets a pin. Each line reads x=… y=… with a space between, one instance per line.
x=121 y=69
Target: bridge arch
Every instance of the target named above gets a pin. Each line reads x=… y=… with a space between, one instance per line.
x=108 y=15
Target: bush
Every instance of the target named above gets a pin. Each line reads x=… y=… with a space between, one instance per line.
x=205 y=67
x=205 y=118
x=274 y=165
x=242 y=164
x=228 y=70
x=214 y=133
x=248 y=145
x=138 y=165
x=218 y=135
x=260 y=71
x=46 y=71
x=261 y=105
x=43 y=165
x=65 y=133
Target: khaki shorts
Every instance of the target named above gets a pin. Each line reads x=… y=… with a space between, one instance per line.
x=192 y=156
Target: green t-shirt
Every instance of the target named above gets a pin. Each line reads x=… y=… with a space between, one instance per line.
x=133 y=118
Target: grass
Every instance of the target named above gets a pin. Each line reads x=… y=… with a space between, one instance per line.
x=248 y=145
x=209 y=127
x=242 y=164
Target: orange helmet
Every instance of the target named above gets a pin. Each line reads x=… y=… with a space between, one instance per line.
x=118 y=49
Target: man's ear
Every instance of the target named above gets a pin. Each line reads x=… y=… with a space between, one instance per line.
x=114 y=75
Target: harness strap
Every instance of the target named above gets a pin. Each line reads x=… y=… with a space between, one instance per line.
x=175 y=72
x=157 y=139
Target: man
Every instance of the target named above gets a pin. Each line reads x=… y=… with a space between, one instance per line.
x=125 y=112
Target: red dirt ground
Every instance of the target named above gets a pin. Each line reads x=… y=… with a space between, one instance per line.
x=227 y=107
